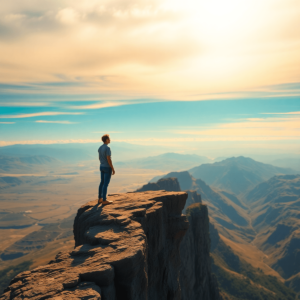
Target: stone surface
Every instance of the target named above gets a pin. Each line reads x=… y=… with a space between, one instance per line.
x=127 y=250
x=171 y=184
x=193 y=197
x=196 y=279
x=167 y=184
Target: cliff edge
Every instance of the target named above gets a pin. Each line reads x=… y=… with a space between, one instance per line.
x=127 y=250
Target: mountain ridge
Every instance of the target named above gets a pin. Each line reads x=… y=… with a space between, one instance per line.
x=237 y=174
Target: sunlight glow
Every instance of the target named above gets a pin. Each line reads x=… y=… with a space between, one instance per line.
x=158 y=48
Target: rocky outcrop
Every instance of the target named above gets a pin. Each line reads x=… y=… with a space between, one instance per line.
x=140 y=247
x=196 y=279
x=193 y=197
x=171 y=184
x=167 y=184
x=127 y=250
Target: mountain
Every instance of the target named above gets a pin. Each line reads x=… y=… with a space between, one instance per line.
x=293 y=162
x=24 y=163
x=226 y=210
x=239 y=272
x=237 y=174
x=166 y=162
x=238 y=279
x=69 y=152
x=275 y=214
x=278 y=189
x=74 y=152
x=171 y=184
x=166 y=184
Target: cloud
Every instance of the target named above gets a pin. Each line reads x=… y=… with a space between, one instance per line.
x=24 y=104
x=7 y=122
x=56 y=122
x=49 y=142
x=50 y=113
x=159 y=49
x=98 y=105
x=68 y=16
x=108 y=131
x=285 y=113
x=256 y=129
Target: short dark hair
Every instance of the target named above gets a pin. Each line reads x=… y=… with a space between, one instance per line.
x=105 y=137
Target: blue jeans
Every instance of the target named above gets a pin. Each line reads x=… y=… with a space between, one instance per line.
x=105 y=179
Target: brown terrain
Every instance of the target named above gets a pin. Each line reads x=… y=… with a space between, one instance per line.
x=255 y=244
x=37 y=212
x=129 y=250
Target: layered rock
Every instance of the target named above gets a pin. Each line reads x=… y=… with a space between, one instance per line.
x=127 y=250
x=167 y=184
x=171 y=184
x=193 y=197
x=196 y=279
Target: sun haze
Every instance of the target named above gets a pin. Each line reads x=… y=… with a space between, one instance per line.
x=166 y=49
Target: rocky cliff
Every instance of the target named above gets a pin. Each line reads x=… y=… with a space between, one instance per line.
x=171 y=184
x=167 y=184
x=196 y=280
x=127 y=250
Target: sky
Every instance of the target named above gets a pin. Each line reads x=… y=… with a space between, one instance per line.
x=213 y=77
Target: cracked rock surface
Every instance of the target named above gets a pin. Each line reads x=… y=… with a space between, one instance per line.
x=127 y=250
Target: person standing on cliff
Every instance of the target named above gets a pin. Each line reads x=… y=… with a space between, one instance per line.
x=106 y=169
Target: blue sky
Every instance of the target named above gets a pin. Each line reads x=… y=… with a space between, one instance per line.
x=269 y=124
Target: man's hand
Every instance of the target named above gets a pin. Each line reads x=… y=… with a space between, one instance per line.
x=111 y=165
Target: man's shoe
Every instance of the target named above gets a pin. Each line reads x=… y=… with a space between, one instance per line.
x=106 y=202
x=100 y=200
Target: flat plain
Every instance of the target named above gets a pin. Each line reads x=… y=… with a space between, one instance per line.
x=37 y=211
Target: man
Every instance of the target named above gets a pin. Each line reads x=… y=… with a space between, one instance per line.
x=106 y=169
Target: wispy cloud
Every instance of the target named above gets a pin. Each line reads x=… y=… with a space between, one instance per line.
x=161 y=48
x=49 y=142
x=285 y=113
x=98 y=105
x=56 y=122
x=24 y=104
x=108 y=131
x=49 y=113
x=253 y=129
x=7 y=122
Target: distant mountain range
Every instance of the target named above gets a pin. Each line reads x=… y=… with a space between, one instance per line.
x=75 y=152
x=237 y=174
x=238 y=279
x=166 y=162
x=24 y=163
x=275 y=214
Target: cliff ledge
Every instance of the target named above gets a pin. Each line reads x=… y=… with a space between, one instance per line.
x=127 y=250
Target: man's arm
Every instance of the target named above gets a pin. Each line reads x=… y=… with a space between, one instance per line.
x=111 y=165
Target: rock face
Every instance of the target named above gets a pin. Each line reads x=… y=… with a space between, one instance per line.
x=196 y=279
x=127 y=250
x=167 y=184
x=171 y=184
x=139 y=248
x=193 y=197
